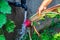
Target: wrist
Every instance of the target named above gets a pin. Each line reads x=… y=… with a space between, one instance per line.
x=45 y=3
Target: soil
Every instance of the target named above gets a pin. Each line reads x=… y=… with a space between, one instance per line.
x=17 y=16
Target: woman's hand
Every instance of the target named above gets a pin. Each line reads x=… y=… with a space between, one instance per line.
x=43 y=6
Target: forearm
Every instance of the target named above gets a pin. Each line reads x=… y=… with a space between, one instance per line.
x=46 y=3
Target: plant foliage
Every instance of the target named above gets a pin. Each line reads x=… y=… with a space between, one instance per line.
x=2 y=37
x=10 y=26
x=2 y=19
x=4 y=7
x=48 y=33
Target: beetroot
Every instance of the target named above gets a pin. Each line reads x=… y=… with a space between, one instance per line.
x=27 y=23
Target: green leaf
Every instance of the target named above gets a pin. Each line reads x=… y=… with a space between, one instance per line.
x=4 y=7
x=2 y=37
x=57 y=25
x=46 y=34
x=58 y=16
x=34 y=23
x=56 y=36
x=52 y=23
x=51 y=14
x=2 y=19
x=10 y=26
x=58 y=10
x=35 y=36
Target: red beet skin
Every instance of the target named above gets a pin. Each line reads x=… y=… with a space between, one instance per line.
x=27 y=23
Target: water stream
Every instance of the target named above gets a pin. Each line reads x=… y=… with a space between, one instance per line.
x=23 y=26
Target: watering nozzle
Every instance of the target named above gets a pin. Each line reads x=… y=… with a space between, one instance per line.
x=17 y=4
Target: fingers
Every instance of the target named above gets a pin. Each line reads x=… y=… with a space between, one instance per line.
x=40 y=9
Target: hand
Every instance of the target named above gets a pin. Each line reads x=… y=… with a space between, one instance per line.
x=43 y=6
x=40 y=9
